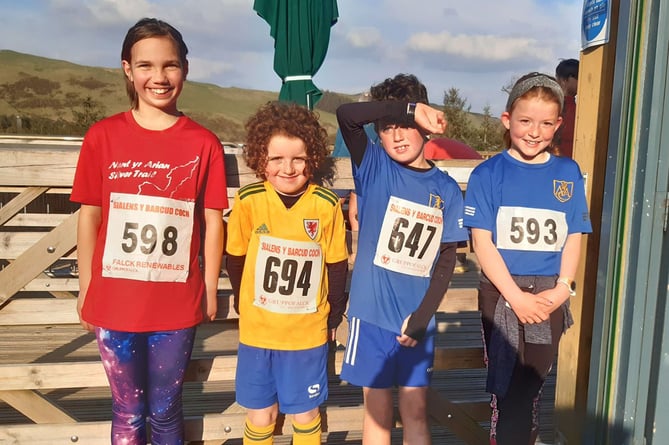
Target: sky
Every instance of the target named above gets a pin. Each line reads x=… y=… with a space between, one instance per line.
x=476 y=46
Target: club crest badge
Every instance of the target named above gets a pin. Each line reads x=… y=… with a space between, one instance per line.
x=311 y=227
x=436 y=202
x=563 y=190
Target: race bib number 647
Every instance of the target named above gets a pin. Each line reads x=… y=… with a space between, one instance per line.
x=410 y=237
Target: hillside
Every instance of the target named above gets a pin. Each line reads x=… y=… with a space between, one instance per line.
x=46 y=91
x=60 y=98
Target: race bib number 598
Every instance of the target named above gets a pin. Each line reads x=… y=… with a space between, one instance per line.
x=148 y=238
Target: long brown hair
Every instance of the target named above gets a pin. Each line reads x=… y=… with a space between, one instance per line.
x=144 y=29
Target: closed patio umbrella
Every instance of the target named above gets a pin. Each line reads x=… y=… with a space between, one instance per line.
x=301 y=32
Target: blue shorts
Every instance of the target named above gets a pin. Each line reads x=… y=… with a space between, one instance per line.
x=296 y=380
x=374 y=358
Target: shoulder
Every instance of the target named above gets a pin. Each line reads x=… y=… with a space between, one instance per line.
x=566 y=166
x=113 y=121
x=327 y=195
x=193 y=126
x=251 y=190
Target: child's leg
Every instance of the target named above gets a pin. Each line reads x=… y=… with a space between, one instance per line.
x=517 y=421
x=123 y=356
x=378 y=418
x=413 y=411
x=259 y=425
x=307 y=428
x=169 y=353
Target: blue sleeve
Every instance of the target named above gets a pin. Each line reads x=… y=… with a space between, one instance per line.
x=453 y=215
x=479 y=212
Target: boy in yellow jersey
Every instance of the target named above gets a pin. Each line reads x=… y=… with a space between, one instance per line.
x=287 y=262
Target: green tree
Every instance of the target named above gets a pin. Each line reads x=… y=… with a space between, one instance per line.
x=490 y=132
x=92 y=112
x=460 y=126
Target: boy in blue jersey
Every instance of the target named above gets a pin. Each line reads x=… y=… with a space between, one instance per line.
x=410 y=216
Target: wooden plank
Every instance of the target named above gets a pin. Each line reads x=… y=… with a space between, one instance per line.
x=42 y=311
x=55 y=166
x=89 y=433
x=460 y=358
x=456 y=419
x=213 y=427
x=19 y=202
x=40 y=376
x=41 y=255
x=593 y=119
x=36 y=219
x=56 y=311
x=30 y=167
x=14 y=244
x=36 y=407
x=91 y=374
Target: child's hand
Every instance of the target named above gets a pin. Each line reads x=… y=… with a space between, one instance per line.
x=404 y=339
x=332 y=335
x=531 y=308
x=430 y=119
x=557 y=295
x=210 y=307
x=84 y=324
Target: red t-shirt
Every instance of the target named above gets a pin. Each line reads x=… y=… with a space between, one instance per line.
x=566 y=130
x=154 y=185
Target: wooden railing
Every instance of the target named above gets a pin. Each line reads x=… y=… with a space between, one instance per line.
x=34 y=242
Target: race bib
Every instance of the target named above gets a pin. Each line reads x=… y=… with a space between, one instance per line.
x=410 y=237
x=148 y=238
x=288 y=275
x=539 y=230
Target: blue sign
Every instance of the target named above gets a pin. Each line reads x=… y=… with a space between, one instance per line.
x=595 y=24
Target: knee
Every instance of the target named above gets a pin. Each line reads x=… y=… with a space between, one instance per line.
x=263 y=417
x=414 y=412
x=305 y=418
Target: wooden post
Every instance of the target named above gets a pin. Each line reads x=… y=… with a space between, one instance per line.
x=593 y=115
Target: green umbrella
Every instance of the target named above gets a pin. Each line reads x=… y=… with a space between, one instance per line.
x=301 y=32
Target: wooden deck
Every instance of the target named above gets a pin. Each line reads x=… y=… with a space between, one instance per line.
x=459 y=327
x=52 y=385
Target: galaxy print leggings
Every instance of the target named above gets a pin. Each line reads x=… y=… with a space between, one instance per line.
x=145 y=372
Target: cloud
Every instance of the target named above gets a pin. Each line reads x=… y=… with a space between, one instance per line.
x=476 y=46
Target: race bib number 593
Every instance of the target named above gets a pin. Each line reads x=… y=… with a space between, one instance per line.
x=539 y=230
x=148 y=238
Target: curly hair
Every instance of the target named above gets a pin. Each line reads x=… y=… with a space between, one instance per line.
x=401 y=87
x=291 y=120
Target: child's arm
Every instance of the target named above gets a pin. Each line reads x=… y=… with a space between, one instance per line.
x=353 y=117
x=337 y=296
x=529 y=308
x=569 y=263
x=212 y=256
x=235 y=267
x=415 y=325
x=90 y=219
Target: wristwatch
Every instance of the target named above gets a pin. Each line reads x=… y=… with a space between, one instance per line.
x=571 y=285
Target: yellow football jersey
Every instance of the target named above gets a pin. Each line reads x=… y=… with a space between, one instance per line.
x=283 y=296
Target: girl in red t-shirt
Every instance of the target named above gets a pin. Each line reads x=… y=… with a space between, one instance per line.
x=151 y=183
